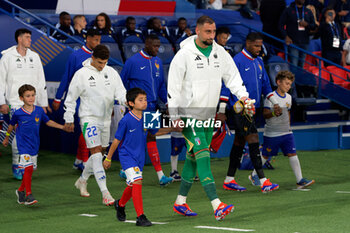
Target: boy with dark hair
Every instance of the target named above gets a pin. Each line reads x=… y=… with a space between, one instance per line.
x=28 y=119
x=277 y=133
x=98 y=86
x=132 y=154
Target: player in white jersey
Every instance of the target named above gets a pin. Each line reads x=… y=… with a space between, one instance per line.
x=278 y=133
x=18 y=66
x=97 y=85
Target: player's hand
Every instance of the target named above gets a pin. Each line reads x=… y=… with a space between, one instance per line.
x=249 y=107
x=5 y=142
x=277 y=110
x=4 y=109
x=221 y=117
x=69 y=127
x=56 y=105
x=177 y=125
x=106 y=164
x=288 y=40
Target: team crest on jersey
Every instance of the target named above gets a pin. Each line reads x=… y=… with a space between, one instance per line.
x=245 y=128
x=175 y=148
x=260 y=67
x=268 y=149
x=287 y=104
x=198 y=141
x=31 y=59
x=106 y=76
x=215 y=56
x=157 y=65
x=37 y=119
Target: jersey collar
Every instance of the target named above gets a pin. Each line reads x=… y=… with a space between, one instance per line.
x=29 y=113
x=133 y=115
x=144 y=54
x=247 y=54
x=86 y=50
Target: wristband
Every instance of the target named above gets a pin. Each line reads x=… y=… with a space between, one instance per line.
x=7 y=134
x=273 y=114
x=108 y=160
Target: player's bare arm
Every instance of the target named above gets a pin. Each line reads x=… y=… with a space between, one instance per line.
x=108 y=160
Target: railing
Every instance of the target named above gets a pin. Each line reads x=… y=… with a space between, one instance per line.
x=321 y=70
x=48 y=25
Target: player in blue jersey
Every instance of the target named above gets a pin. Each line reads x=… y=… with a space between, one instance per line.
x=132 y=136
x=277 y=133
x=28 y=118
x=256 y=81
x=75 y=62
x=145 y=70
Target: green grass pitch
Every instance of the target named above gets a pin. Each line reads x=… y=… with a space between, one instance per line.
x=319 y=210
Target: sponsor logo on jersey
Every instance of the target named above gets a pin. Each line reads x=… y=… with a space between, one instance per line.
x=91 y=78
x=18 y=60
x=198 y=58
x=157 y=65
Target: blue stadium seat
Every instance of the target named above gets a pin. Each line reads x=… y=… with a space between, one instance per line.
x=237 y=47
x=107 y=39
x=114 y=50
x=73 y=44
x=166 y=51
x=132 y=45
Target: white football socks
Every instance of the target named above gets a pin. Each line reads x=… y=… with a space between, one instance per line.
x=160 y=174
x=173 y=160
x=87 y=172
x=295 y=164
x=215 y=203
x=180 y=200
x=99 y=171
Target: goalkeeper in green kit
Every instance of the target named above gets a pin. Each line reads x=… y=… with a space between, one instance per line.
x=194 y=84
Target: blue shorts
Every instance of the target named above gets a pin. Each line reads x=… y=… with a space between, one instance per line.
x=127 y=161
x=177 y=144
x=271 y=145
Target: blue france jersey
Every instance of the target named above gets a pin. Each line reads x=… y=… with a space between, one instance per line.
x=27 y=132
x=132 y=149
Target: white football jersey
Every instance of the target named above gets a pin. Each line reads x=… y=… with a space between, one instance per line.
x=278 y=126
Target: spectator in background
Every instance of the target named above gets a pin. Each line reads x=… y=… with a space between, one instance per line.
x=199 y=4
x=270 y=14
x=345 y=61
x=130 y=29
x=318 y=5
x=182 y=30
x=79 y=22
x=222 y=36
x=342 y=7
x=331 y=36
x=103 y=24
x=154 y=26
x=295 y=24
x=64 y=25
x=241 y=6
x=216 y=4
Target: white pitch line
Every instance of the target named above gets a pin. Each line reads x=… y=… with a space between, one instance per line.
x=342 y=191
x=159 y=223
x=224 y=228
x=303 y=190
x=88 y=215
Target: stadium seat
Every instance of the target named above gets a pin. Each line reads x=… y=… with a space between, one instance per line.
x=114 y=50
x=107 y=39
x=324 y=73
x=237 y=47
x=339 y=76
x=132 y=45
x=273 y=68
x=73 y=44
x=315 y=45
x=166 y=51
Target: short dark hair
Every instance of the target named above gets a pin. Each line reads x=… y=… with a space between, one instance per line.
x=132 y=94
x=24 y=88
x=181 y=18
x=152 y=37
x=221 y=30
x=204 y=19
x=20 y=32
x=101 y=51
x=64 y=13
x=285 y=74
x=93 y=32
x=253 y=36
x=129 y=19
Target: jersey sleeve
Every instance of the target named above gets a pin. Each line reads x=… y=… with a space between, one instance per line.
x=120 y=92
x=122 y=128
x=14 y=119
x=70 y=103
x=41 y=89
x=66 y=78
x=44 y=117
x=267 y=104
x=125 y=74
